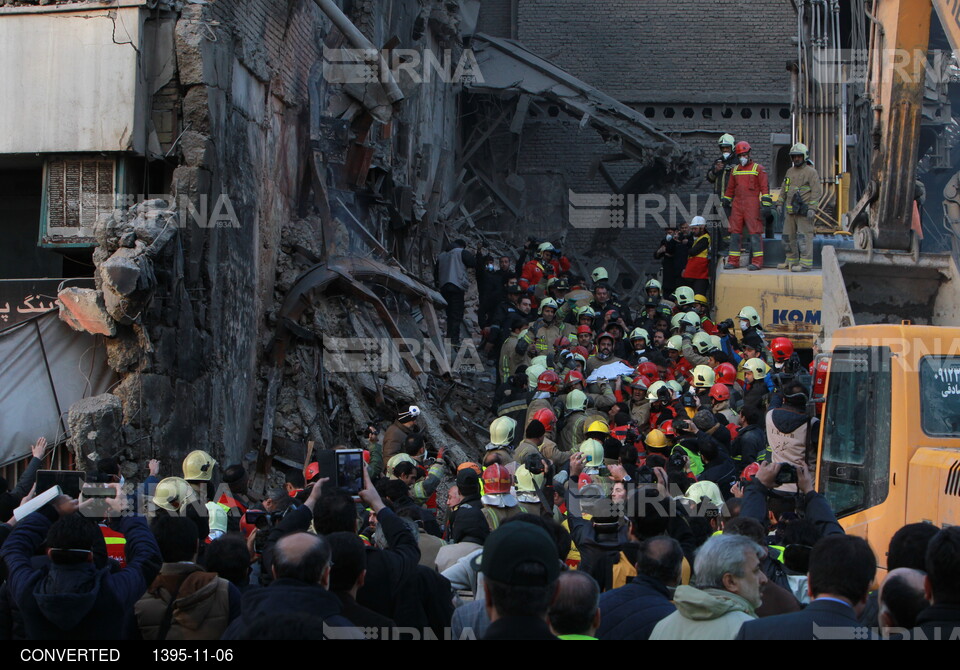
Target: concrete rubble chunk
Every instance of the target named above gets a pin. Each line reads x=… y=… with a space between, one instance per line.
x=83 y=309
x=121 y=273
x=94 y=426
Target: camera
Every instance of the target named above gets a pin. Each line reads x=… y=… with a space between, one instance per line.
x=678 y=461
x=534 y=464
x=689 y=400
x=725 y=326
x=631 y=437
x=787 y=474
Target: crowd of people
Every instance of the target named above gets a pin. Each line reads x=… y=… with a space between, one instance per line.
x=648 y=474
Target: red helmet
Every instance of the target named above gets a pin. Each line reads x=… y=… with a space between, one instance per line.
x=580 y=350
x=667 y=428
x=726 y=374
x=313 y=469
x=742 y=148
x=648 y=369
x=545 y=416
x=782 y=349
x=584 y=329
x=750 y=472
x=548 y=381
x=497 y=480
x=720 y=392
x=561 y=342
x=573 y=377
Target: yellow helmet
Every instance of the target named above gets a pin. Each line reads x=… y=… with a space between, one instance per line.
x=703 y=377
x=702 y=343
x=750 y=315
x=576 y=400
x=502 y=430
x=547 y=302
x=198 y=466
x=533 y=375
x=527 y=482
x=684 y=296
x=655 y=389
x=173 y=493
x=701 y=299
x=656 y=439
x=757 y=367
x=598 y=426
x=594 y=451
x=675 y=343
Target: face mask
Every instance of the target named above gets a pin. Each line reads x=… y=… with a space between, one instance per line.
x=726 y=155
x=490 y=267
x=744 y=324
x=669 y=237
x=744 y=160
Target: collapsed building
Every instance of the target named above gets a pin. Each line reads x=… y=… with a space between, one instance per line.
x=239 y=205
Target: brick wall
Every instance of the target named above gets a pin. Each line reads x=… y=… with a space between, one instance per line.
x=650 y=54
x=495 y=17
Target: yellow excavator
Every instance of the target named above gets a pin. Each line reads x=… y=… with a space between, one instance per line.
x=890 y=435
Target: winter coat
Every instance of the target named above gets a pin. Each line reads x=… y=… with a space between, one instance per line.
x=751 y=442
x=393 y=439
x=79 y=601
x=708 y=614
x=290 y=596
x=204 y=607
x=632 y=611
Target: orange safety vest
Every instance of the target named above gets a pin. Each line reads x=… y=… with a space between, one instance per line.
x=116 y=544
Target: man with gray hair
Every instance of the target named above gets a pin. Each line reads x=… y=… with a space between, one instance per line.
x=728 y=582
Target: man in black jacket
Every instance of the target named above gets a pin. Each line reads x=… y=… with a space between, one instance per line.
x=521 y=569
x=301 y=575
x=941 y=621
x=841 y=570
x=632 y=611
x=751 y=441
x=71 y=598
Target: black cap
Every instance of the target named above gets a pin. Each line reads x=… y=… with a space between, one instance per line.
x=513 y=544
x=468 y=482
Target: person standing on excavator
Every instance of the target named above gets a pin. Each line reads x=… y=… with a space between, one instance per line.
x=748 y=191
x=719 y=174
x=800 y=195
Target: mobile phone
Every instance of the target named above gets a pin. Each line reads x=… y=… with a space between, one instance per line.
x=350 y=470
x=69 y=481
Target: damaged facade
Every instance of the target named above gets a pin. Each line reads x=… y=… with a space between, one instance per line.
x=244 y=205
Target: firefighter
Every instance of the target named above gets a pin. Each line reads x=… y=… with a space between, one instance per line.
x=697 y=272
x=499 y=503
x=748 y=191
x=538 y=270
x=502 y=430
x=719 y=174
x=545 y=330
x=702 y=307
x=800 y=195
x=548 y=386
x=639 y=347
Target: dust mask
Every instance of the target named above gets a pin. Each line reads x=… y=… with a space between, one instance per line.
x=726 y=155
x=744 y=160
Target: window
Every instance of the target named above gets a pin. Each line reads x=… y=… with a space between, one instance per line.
x=940 y=395
x=855 y=464
x=76 y=190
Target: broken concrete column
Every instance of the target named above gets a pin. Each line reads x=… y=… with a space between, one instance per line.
x=83 y=309
x=94 y=426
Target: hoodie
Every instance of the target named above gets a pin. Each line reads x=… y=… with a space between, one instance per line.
x=708 y=614
x=81 y=601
